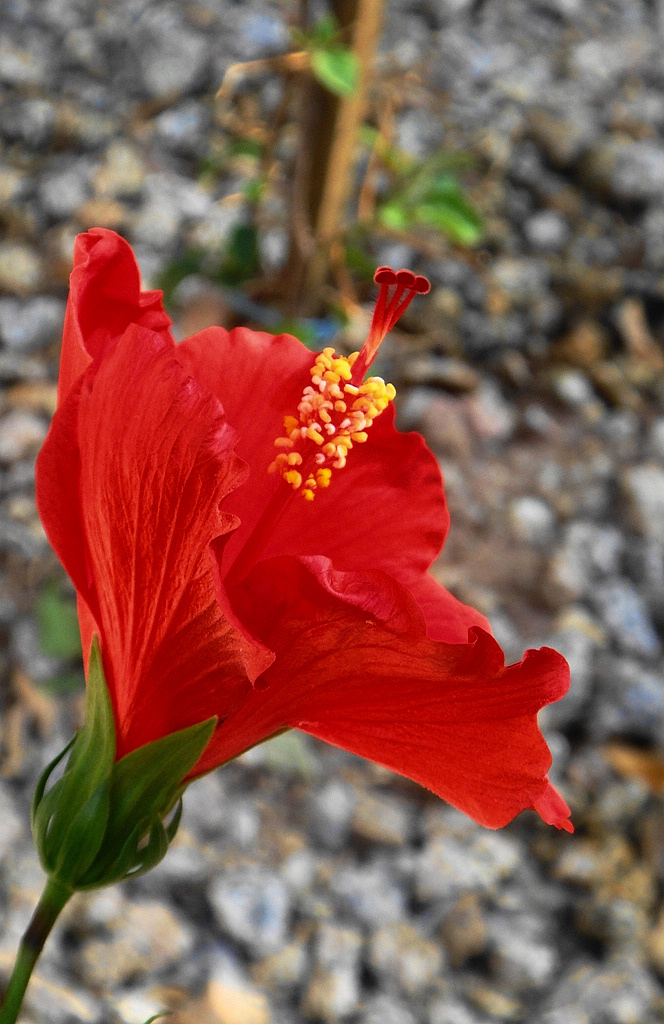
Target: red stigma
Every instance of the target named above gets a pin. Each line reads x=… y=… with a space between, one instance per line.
x=398 y=288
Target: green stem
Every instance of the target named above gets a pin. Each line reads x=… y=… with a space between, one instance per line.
x=53 y=899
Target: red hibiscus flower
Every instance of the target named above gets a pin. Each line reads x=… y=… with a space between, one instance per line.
x=273 y=586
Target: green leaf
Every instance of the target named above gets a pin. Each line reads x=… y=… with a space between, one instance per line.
x=253 y=191
x=58 y=624
x=394 y=215
x=246 y=147
x=337 y=68
x=240 y=260
x=175 y=271
x=454 y=216
x=300 y=329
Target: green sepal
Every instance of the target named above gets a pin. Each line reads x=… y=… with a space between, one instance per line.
x=145 y=787
x=105 y=820
x=69 y=819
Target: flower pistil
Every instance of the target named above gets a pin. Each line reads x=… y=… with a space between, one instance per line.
x=337 y=409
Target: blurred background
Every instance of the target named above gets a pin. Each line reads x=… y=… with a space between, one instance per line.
x=511 y=150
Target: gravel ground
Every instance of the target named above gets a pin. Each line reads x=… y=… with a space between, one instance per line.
x=305 y=884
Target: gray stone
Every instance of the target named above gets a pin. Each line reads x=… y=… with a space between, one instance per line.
x=183 y=128
x=261 y=33
x=656 y=439
x=619 y=991
x=652 y=230
x=170 y=199
x=331 y=814
x=27 y=326
x=579 y=640
x=630 y=701
x=448 y=1010
x=645 y=566
x=643 y=487
x=399 y=954
x=146 y=938
x=122 y=174
x=600 y=63
x=547 y=231
x=624 y=615
x=564 y=130
x=532 y=520
x=13 y=824
x=334 y=989
x=370 y=893
x=589 y=553
x=573 y=387
x=448 y=866
x=490 y=416
x=253 y=907
x=64 y=190
x=21 y=434
x=25 y=646
x=24 y=67
x=14 y=184
x=82 y=49
x=29 y=121
x=522 y=279
x=173 y=60
x=520 y=961
x=21 y=268
x=385 y=1009
x=382 y=818
x=638 y=174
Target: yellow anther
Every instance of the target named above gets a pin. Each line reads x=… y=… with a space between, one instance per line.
x=327 y=420
x=343 y=369
x=293 y=478
x=315 y=435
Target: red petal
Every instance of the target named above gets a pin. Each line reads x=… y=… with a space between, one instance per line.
x=552 y=809
x=104 y=298
x=447 y=618
x=129 y=483
x=360 y=673
x=386 y=509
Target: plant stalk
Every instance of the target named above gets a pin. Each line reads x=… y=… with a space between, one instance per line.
x=53 y=899
x=324 y=180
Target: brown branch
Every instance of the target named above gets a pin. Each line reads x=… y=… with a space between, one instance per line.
x=324 y=178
